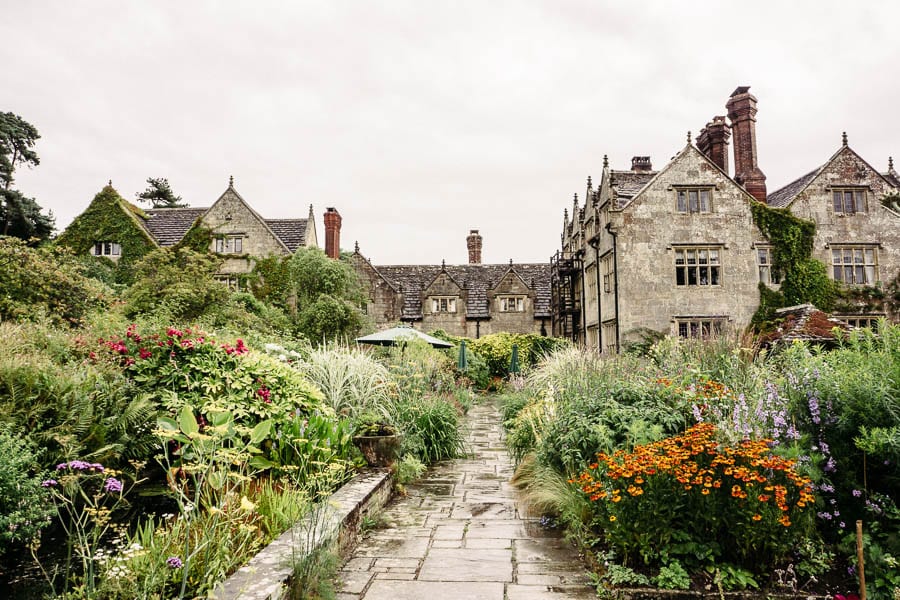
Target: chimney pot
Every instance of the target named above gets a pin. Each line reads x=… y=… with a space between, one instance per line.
x=332 y=233
x=641 y=163
x=473 y=245
x=713 y=141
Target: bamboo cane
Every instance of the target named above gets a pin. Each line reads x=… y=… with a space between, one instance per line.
x=859 y=558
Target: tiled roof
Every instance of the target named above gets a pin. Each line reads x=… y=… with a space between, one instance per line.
x=892 y=178
x=628 y=183
x=168 y=225
x=782 y=197
x=290 y=231
x=477 y=280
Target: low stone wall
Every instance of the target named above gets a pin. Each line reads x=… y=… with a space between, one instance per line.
x=335 y=525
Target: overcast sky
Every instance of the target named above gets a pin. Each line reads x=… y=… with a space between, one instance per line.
x=421 y=120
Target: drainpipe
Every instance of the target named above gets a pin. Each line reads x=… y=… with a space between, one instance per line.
x=477 y=328
x=596 y=246
x=580 y=253
x=615 y=239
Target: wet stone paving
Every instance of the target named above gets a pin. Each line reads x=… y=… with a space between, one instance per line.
x=458 y=533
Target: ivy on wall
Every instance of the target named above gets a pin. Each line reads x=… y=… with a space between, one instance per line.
x=198 y=238
x=803 y=278
x=109 y=218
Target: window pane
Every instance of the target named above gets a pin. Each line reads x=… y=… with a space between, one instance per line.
x=848 y=202
x=704 y=275
x=679 y=257
x=683 y=329
x=692 y=275
x=859 y=276
x=858 y=256
x=704 y=256
x=860 y=201
x=848 y=256
x=838 y=207
x=715 y=275
x=692 y=194
x=704 y=200
x=870 y=256
x=694 y=329
x=238 y=245
x=679 y=276
x=714 y=256
x=691 y=257
x=848 y=274
x=837 y=273
x=682 y=201
x=870 y=274
x=835 y=257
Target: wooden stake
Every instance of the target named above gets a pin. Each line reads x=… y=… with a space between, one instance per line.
x=859 y=558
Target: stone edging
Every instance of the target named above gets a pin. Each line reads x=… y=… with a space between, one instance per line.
x=336 y=524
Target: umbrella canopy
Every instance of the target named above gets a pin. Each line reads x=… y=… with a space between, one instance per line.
x=398 y=335
x=463 y=362
x=514 y=359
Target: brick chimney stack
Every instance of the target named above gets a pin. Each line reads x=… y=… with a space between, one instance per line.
x=742 y=112
x=713 y=141
x=332 y=233
x=641 y=164
x=473 y=243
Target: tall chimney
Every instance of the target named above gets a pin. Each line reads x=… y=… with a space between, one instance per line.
x=332 y=233
x=473 y=243
x=742 y=112
x=713 y=141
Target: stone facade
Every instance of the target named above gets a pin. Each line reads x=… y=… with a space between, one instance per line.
x=677 y=251
x=465 y=300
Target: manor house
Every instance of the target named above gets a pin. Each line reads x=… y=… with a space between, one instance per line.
x=676 y=251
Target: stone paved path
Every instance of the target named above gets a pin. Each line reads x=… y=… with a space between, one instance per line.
x=459 y=534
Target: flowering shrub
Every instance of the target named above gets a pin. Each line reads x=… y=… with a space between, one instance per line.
x=186 y=367
x=683 y=496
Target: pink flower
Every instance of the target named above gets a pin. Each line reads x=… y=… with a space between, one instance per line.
x=144 y=353
x=265 y=394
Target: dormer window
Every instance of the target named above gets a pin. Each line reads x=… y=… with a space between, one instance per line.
x=230 y=244
x=106 y=249
x=511 y=303
x=693 y=200
x=849 y=201
x=443 y=304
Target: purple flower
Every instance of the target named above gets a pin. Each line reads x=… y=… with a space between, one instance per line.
x=698 y=416
x=112 y=485
x=80 y=465
x=851 y=570
x=827 y=488
x=842 y=525
x=174 y=562
x=825 y=515
x=857 y=493
x=49 y=483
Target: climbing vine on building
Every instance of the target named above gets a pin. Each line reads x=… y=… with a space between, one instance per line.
x=803 y=278
x=110 y=218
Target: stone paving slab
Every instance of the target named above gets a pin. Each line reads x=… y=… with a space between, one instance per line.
x=458 y=534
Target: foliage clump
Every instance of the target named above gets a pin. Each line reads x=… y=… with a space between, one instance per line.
x=804 y=279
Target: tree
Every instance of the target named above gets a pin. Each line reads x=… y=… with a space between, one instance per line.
x=20 y=216
x=159 y=195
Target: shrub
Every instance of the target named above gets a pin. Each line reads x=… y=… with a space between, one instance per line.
x=351 y=380
x=23 y=502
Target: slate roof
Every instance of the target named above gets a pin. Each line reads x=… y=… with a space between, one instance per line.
x=783 y=196
x=628 y=183
x=477 y=280
x=168 y=225
x=290 y=231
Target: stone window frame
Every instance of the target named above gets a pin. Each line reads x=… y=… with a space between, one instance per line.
x=231 y=243
x=106 y=248
x=856 y=262
x=503 y=303
x=685 y=205
x=848 y=200
x=685 y=270
x=764 y=264
x=231 y=281
x=444 y=304
x=609 y=279
x=608 y=330
x=699 y=327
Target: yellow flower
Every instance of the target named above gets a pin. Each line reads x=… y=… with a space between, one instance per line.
x=247 y=505
x=612 y=518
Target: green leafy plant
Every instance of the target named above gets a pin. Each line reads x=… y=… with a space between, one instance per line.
x=23 y=509
x=673 y=577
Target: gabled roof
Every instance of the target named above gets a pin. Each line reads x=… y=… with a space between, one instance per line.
x=476 y=279
x=291 y=232
x=783 y=197
x=168 y=225
x=627 y=184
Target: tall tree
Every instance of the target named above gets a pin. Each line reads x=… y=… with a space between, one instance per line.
x=20 y=216
x=159 y=194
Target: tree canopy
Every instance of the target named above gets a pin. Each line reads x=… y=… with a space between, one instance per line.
x=20 y=216
x=159 y=194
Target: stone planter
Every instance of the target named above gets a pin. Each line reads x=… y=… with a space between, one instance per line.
x=378 y=450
